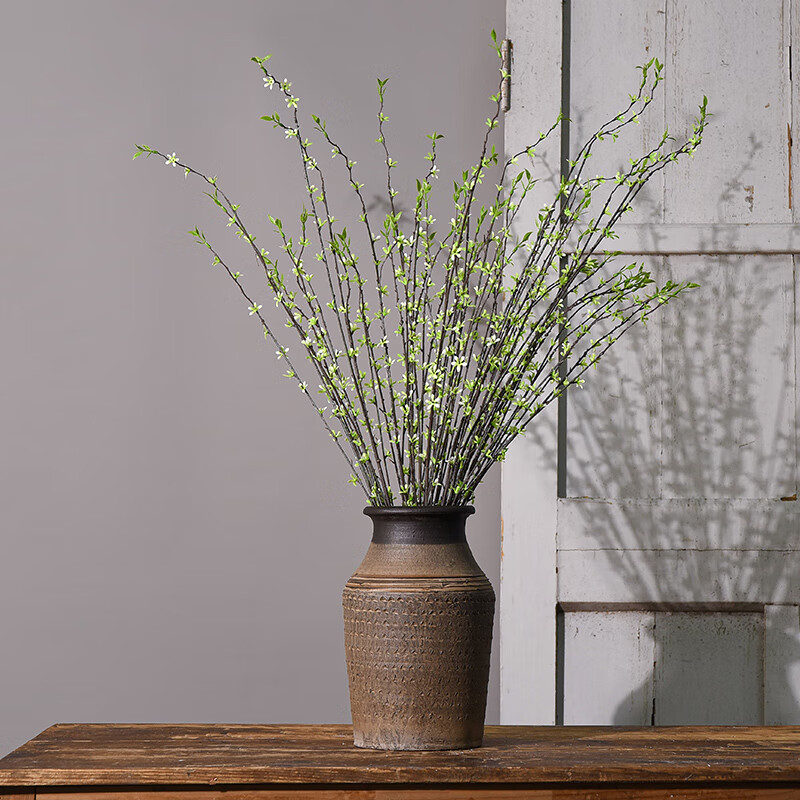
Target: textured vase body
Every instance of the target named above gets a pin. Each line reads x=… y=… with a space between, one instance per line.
x=418 y=616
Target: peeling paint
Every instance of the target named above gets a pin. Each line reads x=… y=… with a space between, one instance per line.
x=749 y=192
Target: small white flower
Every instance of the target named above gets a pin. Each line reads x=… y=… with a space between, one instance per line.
x=269 y=82
x=435 y=171
x=254 y=309
x=173 y=159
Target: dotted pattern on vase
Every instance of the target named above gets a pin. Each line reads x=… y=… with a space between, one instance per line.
x=418 y=662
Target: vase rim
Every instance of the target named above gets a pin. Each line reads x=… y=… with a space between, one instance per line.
x=408 y=511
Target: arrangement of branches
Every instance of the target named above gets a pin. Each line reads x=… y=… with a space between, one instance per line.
x=431 y=359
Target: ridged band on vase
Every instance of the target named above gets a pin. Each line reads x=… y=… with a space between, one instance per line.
x=418 y=617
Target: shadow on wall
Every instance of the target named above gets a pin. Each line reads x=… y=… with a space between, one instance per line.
x=679 y=567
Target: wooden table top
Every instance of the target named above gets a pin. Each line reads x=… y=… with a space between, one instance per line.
x=181 y=755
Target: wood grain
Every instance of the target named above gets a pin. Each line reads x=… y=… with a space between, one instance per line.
x=485 y=792
x=180 y=755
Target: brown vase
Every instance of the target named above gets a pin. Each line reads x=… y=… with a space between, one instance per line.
x=418 y=617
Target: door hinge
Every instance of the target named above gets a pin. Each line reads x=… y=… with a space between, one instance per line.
x=506 y=53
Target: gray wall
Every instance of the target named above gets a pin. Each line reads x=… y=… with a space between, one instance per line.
x=176 y=527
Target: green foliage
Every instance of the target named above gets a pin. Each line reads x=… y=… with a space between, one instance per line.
x=431 y=359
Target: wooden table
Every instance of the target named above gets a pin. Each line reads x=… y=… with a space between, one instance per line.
x=298 y=762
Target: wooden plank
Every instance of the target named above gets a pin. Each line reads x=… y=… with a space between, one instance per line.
x=603 y=74
x=697 y=608
x=733 y=51
x=706 y=239
x=528 y=581
x=679 y=576
x=729 y=413
x=791 y=24
x=614 y=427
x=782 y=665
x=536 y=77
x=608 y=667
x=740 y=792
x=709 y=669
x=528 y=574
x=197 y=755
x=678 y=524
x=796 y=266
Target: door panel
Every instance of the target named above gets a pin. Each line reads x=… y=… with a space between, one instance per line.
x=782 y=665
x=664 y=667
x=681 y=453
x=620 y=645
x=709 y=667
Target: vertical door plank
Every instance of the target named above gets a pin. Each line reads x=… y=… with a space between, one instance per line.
x=528 y=504
x=709 y=669
x=791 y=19
x=733 y=51
x=609 y=42
x=613 y=439
x=793 y=142
x=792 y=497
x=608 y=667
x=782 y=665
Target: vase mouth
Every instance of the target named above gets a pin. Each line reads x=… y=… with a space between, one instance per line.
x=412 y=525
x=411 y=511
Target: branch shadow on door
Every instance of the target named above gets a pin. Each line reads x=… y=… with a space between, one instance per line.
x=678 y=552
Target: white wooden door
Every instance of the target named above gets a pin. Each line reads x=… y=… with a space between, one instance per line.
x=651 y=554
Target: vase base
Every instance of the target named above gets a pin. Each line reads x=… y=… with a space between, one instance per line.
x=369 y=743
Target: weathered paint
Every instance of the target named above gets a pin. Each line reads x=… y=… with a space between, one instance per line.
x=620 y=646
x=528 y=567
x=709 y=667
x=682 y=456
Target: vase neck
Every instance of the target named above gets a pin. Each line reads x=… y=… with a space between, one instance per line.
x=407 y=525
